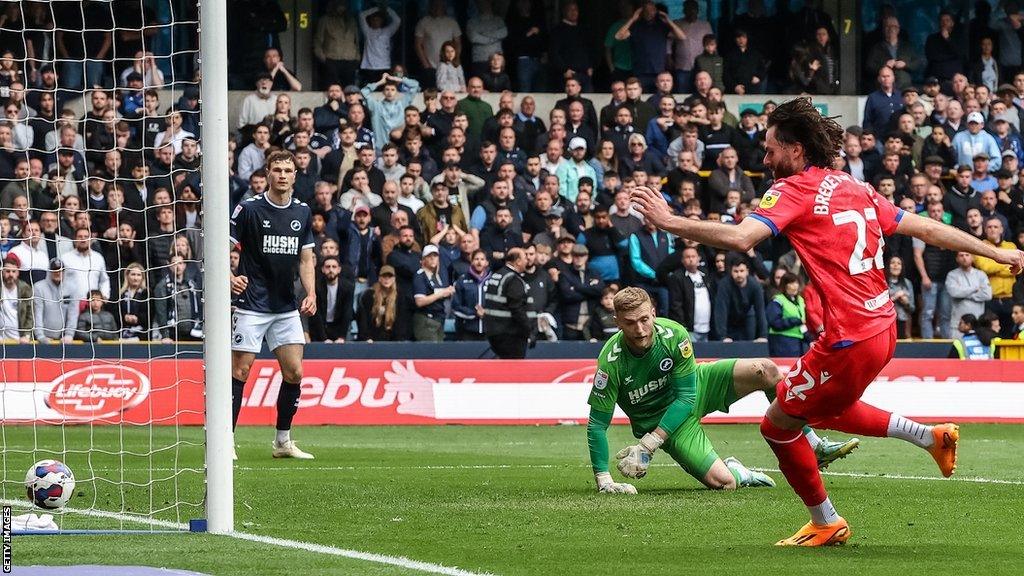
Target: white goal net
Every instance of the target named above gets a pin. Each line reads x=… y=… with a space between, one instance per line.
x=101 y=239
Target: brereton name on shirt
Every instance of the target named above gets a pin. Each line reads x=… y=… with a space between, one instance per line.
x=825 y=190
x=280 y=245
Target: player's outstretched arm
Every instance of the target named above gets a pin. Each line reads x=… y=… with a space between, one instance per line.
x=597 y=441
x=740 y=237
x=950 y=238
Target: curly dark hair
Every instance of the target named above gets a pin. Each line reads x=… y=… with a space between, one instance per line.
x=798 y=122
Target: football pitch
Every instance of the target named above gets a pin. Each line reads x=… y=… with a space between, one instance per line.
x=521 y=500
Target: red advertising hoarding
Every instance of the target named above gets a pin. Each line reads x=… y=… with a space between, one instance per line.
x=387 y=392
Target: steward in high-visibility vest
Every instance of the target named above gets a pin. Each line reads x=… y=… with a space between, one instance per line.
x=787 y=320
x=508 y=319
x=969 y=345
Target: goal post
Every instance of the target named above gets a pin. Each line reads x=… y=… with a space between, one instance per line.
x=136 y=400
x=217 y=354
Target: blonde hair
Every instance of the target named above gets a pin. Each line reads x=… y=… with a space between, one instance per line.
x=124 y=277
x=630 y=298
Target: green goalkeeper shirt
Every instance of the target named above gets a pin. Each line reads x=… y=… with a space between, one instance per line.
x=644 y=387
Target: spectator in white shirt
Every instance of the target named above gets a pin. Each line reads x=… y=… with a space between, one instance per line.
x=85 y=269
x=432 y=31
x=378 y=27
x=259 y=104
x=691 y=294
x=174 y=134
x=968 y=288
x=407 y=193
x=32 y=253
x=854 y=164
x=15 y=305
x=21 y=132
x=253 y=156
x=450 y=76
x=552 y=160
x=144 y=64
x=55 y=315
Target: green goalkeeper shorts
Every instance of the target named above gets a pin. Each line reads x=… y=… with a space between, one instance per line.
x=689 y=445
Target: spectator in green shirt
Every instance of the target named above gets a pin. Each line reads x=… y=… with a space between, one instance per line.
x=617 y=53
x=476 y=109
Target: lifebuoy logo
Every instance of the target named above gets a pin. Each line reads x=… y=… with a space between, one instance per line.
x=97 y=392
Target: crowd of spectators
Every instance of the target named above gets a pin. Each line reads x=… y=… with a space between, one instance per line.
x=100 y=214
x=533 y=46
x=949 y=149
x=414 y=206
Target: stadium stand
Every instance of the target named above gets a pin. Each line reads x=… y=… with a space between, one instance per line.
x=938 y=133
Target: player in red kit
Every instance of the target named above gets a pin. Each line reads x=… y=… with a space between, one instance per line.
x=837 y=226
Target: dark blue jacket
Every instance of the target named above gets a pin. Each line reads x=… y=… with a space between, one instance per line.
x=325 y=119
x=1011 y=142
x=651 y=163
x=405 y=263
x=575 y=291
x=368 y=247
x=469 y=291
x=878 y=109
x=425 y=286
x=494 y=240
x=739 y=312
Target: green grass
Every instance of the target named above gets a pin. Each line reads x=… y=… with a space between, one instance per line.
x=529 y=505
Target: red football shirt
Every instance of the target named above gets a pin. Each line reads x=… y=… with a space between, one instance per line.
x=836 y=225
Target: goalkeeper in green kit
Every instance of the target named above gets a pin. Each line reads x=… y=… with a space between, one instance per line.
x=648 y=369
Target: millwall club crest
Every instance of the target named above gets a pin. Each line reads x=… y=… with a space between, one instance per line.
x=296 y=225
x=666 y=364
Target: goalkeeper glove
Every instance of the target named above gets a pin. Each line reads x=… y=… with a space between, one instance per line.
x=634 y=460
x=606 y=485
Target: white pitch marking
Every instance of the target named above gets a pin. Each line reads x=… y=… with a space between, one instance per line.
x=151 y=522
x=400 y=561
x=886 y=476
x=881 y=476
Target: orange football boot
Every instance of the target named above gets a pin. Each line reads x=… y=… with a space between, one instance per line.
x=943 y=449
x=835 y=533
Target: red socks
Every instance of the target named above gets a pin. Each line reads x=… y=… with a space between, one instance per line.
x=796 y=457
x=796 y=461
x=861 y=419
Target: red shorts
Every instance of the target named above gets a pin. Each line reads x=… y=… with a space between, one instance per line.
x=824 y=382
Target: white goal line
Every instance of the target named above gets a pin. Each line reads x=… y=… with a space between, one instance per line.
x=400 y=561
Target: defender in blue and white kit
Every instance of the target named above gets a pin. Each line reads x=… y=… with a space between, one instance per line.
x=273 y=233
